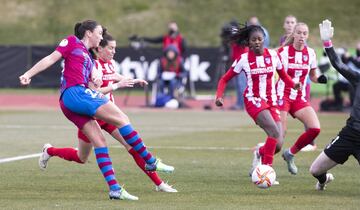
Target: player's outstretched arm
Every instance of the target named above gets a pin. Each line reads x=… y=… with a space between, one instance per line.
x=326 y=33
x=40 y=66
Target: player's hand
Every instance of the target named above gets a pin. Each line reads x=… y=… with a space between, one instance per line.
x=24 y=79
x=140 y=82
x=97 y=82
x=322 y=79
x=298 y=86
x=219 y=102
x=326 y=30
x=127 y=82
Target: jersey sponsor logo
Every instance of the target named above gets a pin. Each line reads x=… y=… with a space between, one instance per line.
x=63 y=43
x=262 y=70
x=298 y=66
x=108 y=77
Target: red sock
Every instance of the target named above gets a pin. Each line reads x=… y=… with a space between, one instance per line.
x=306 y=138
x=268 y=151
x=141 y=163
x=69 y=154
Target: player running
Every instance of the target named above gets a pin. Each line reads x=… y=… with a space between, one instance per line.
x=299 y=62
x=259 y=65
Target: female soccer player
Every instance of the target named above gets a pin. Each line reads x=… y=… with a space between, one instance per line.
x=111 y=81
x=300 y=63
x=259 y=65
x=347 y=142
x=81 y=104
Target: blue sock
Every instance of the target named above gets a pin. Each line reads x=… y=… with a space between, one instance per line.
x=133 y=139
x=104 y=162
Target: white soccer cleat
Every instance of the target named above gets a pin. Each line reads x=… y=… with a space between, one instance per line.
x=309 y=148
x=321 y=187
x=159 y=166
x=44 y=157
x=256 y=159
x=122 y=195
x=276 y=182
x=164 y=187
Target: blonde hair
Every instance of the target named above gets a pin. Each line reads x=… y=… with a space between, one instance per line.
x=290 y=39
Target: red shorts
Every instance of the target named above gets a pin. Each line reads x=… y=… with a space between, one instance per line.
x=104 y=125
x=254 y=108
x=292 y=106
x=78 y=119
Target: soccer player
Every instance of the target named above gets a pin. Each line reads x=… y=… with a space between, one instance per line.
x=259 y=65
x=300 y=63
x=289 y=24
x=347 y=142
x=110 y=82
x=81 y=104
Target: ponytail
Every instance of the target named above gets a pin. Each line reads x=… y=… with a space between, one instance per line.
x=81 y=28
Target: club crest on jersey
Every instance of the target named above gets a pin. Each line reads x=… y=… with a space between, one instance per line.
x=280 y=102
x=63 y=43
x=305 y=57
x=267 y=60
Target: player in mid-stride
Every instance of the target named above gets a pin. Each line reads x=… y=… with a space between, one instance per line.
x=259 y=65
x=299 y=62
x=111 y=81
x=347 y=142
x=82 y=105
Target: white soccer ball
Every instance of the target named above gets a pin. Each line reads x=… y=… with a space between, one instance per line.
x=263 y=176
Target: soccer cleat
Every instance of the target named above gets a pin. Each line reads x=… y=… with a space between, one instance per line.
x=159 y=166
x=256 y=159
x=164 y=187
x=122 y=195
x=44 y=157
x=276 y=182
x=321 y=187
x=309 y=148
x=290 y=160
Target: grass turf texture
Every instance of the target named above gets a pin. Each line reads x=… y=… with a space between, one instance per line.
x=208 y=150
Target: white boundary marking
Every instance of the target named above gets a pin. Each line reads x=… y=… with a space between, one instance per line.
x=11 y=159
x=23 y=157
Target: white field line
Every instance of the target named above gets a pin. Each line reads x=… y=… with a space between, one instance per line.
x=12 y=159
x=189 y=148
x=169 y=128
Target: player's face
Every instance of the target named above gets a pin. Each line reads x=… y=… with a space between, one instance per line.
x=256 y=42
x=301 y=34
x=289 y=24
x=95 y=36
x=107 y=53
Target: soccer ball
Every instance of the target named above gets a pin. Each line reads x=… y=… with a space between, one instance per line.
x=263 y=176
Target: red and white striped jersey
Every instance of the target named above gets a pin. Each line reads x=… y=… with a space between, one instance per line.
x=297 y=64
x=107 y=70
x=260 y=71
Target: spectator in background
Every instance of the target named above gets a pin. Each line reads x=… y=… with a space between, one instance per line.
x=173 y=37
x=343 y=85
x=171 y=73
x=289 y=24
x=237 y=48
